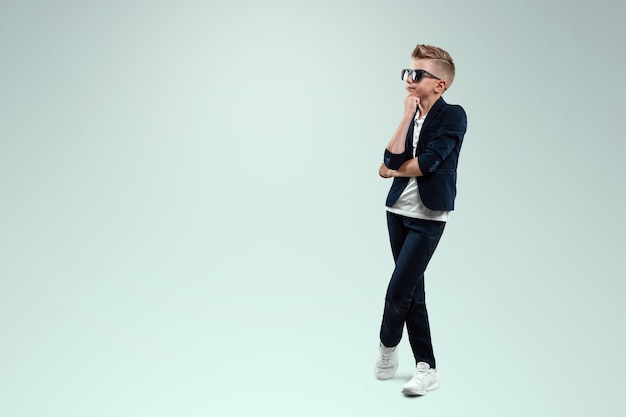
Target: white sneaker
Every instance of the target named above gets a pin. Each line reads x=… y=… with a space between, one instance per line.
x=424 y=379
x=387 y=362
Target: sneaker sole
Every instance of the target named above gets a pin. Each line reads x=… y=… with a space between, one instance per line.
x=407 y=391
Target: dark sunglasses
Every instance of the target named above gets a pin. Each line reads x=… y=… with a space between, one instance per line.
x=417 y=74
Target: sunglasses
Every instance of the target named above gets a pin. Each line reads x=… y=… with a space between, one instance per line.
x=417 y=74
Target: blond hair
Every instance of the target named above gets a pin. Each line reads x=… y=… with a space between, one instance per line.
x=441 y=58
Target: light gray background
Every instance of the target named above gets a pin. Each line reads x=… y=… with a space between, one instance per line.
x=192 y=223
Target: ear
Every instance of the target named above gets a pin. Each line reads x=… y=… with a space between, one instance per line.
x=441 y=86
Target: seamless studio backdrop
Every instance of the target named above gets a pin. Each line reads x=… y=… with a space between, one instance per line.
x=192 y=223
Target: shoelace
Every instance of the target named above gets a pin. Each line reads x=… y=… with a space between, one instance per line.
x=420 y=374
x=385 y=358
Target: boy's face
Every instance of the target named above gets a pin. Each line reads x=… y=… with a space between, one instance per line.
x=427 y=86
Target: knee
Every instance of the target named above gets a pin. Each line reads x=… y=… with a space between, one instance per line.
x=397 y=303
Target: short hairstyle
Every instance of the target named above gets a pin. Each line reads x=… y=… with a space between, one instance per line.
x=442 y=59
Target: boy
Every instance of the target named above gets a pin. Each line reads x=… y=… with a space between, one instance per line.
x=422 y=158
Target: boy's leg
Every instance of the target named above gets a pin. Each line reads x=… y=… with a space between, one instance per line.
x=387 y=362
x=398 y=233
x=418 y=327
x=416 y=250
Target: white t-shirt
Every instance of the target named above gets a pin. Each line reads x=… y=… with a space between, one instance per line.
x=409 y=203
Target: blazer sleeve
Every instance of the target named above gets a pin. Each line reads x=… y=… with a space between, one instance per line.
x=394 y=160
x=450 y=131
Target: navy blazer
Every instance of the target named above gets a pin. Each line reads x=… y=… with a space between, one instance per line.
x=437 y=153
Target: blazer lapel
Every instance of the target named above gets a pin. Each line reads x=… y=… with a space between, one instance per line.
x=432 y=114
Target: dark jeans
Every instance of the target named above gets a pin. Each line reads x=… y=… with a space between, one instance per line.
x=413 y=242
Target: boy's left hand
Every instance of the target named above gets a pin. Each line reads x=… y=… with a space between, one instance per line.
x=385 y=172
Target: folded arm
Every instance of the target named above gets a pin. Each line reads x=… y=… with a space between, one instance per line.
x=409 y=168
x=451 y=131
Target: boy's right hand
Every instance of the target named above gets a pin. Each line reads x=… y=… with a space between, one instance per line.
x=410 y=104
